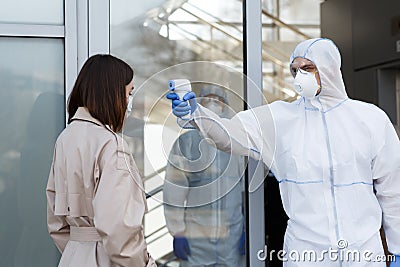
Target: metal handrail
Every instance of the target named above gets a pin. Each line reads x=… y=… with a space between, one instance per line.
x=274 y=60
x=236 y=24
x=173 y=258
x=155 y=207
x=154 y=191
x=282 y=24
x=202 y=46
x=276 y=21
x=158 y=237
x=212 y=25
x=208 y=43
x=214 y=17
x=265 y=55
x=270 y=47
x=155 y=173
x=156 y=231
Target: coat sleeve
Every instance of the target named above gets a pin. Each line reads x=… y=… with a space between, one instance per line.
x=119 y=205
x=240 y=135
x=386 y=174
x=57 y=225
x=176 y=188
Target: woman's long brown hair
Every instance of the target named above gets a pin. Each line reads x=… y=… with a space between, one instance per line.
x=100 y=87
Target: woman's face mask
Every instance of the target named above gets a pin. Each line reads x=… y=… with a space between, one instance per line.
x=128 y=91
x=305 y=83
x=130 y=104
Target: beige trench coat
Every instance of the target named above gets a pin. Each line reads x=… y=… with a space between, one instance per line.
x=96 y=203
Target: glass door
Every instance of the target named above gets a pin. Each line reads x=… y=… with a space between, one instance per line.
x=196 y=193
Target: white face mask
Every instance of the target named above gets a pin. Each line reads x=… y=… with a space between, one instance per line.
x=306 y=84
x=215 y=107
x=130 y=104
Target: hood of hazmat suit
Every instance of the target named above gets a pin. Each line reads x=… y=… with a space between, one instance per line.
x=337 y=161
x=328 y=61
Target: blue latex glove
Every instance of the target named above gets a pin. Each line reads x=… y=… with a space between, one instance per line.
x=395 y=263
x=181 y=108
x=181 y=247
x=242 y=244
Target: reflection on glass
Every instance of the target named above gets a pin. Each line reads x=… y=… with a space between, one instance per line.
x=203 y=192
x=32 y=12
x=32 y=114
x=155 y=36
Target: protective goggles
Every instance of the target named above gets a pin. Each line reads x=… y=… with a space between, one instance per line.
x=309 y=67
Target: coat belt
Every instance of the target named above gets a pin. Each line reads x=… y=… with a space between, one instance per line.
x=84 y=234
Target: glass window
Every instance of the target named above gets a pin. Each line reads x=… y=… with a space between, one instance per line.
x=199 y=40
x=279 y=41
x=32 y=115
x=32 y=12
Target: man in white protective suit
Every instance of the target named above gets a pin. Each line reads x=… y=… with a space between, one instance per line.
x=337 y=161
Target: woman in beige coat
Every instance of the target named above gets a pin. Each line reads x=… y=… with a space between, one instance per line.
x=95 y=196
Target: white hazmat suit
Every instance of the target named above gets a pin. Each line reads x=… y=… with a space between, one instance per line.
x=337 y=161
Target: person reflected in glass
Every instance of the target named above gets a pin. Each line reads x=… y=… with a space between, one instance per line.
x=203 y=192
x=36 y=156
x=95 y=196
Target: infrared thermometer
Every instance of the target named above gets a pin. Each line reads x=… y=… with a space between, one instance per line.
x=180 y=87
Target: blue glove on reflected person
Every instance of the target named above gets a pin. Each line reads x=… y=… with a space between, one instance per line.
x=396 y=262
x=242 y=244
x=181 y=247
x=182 y=108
